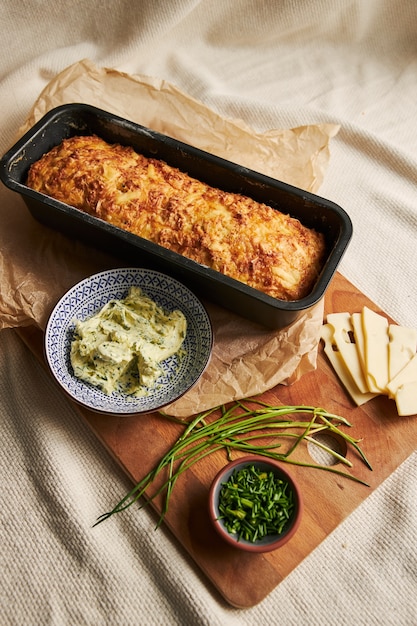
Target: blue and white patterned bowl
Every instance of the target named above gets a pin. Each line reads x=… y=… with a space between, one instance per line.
x=88 y=297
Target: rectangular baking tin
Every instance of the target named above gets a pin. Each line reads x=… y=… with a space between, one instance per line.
x=79 y=119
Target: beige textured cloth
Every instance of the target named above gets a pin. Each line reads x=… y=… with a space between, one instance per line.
x=273 y=64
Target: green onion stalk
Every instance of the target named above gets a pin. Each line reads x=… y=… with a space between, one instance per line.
x=242 y=428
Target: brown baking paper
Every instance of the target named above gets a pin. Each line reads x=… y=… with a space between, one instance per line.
x=38 y=265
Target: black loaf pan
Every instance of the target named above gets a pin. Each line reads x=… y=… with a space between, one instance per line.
x=79 y=119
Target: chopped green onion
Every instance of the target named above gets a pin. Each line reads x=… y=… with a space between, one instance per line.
x=254 y=504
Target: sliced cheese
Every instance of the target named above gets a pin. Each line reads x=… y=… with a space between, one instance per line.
x=343 y=336
x=371 y=357
x=375 y=330
x=339 y=366
x=407 y=375
x=406 y=399
x=401 y=348
x=356 y=321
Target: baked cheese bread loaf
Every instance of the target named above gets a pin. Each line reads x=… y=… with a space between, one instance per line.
x=228 y=232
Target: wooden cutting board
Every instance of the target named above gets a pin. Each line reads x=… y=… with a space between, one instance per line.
x=137 y=443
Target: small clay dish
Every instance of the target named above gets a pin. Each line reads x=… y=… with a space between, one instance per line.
x=268 y=542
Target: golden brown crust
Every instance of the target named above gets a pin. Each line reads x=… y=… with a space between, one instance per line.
x=233 y=234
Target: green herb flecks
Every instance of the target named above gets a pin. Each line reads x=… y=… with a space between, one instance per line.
x=260 y=431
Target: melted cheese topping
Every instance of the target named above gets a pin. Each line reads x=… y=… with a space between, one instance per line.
x=120 y=348
x=233 y=234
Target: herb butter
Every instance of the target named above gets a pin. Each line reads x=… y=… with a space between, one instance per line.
x=120 y=348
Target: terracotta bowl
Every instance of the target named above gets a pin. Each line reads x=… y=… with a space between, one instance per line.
x=269 y=542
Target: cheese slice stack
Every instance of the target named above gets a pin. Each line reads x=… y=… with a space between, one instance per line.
x=373 y=357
